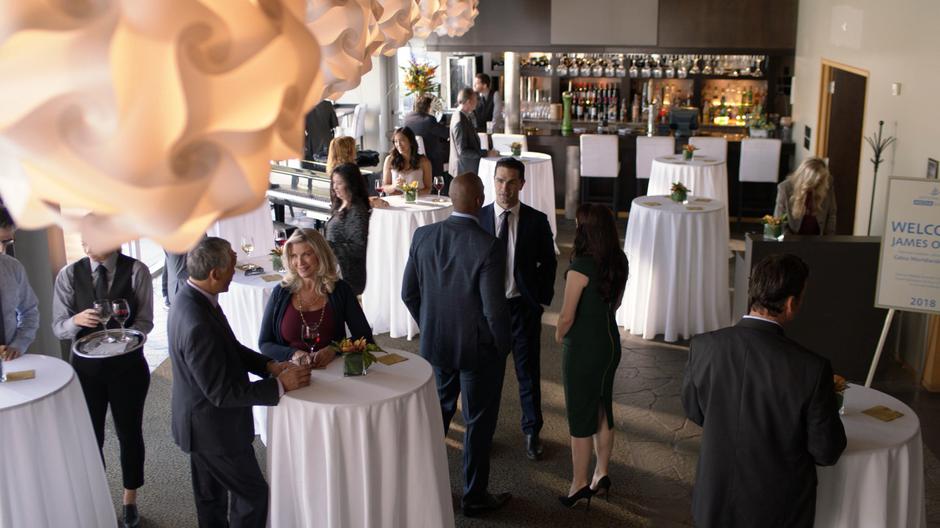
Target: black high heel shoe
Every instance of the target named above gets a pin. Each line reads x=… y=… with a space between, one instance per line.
x=584 y=493
x=603 y=487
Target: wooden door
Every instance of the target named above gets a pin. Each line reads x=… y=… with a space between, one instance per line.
x=844 y=98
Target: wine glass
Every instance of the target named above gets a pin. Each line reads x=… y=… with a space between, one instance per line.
x=280 y=237
x=379 y=188
x=103 y=309
x=311 y=337
x=248 y=246
x=438 y=184
x=120 y=310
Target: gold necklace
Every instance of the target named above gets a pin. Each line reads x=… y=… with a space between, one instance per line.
x=314 y=330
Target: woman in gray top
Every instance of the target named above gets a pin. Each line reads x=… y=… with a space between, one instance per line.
x=348 y=228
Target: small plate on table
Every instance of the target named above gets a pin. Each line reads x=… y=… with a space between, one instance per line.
x=98 y=346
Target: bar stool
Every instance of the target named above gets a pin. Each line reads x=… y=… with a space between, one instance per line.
x=713 y=147
x=503 y=142
x=647 y=149
x=760 y=162
x=600 y=158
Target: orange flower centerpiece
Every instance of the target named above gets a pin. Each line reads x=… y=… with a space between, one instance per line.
x=679 y=192
x=773 y=226
x=688 y=150
x=419 y=78
x=840 y=386
x=357 y=355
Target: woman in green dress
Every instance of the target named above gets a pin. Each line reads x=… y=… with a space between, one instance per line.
x=594 y=287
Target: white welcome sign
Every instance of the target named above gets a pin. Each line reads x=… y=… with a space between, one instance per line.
x=909 y=267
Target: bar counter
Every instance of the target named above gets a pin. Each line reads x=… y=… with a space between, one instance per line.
x=551 y=141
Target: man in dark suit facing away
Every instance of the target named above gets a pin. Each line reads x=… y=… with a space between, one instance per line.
x=768 y=409
x=212 y=396
x=526 y=236
x=453 y=286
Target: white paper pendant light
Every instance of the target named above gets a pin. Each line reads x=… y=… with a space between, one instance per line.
x=342 y=29
x=157 y=117
x=432 y=16
x=397 y=24
x=459 y=18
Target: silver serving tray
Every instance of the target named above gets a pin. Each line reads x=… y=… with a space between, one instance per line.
x=93 y=346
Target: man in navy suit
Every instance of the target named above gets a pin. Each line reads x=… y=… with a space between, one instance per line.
x=530 y=283
x=212 y=396
x=453 y=286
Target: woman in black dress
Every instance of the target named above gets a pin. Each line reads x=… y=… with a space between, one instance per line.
x=591 y=347
x=348 y=228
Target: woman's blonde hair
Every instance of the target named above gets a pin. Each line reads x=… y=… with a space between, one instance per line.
x=811 y=175
x=342 y=150
x=326 y=276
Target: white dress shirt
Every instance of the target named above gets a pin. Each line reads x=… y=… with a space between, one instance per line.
x=511 y=289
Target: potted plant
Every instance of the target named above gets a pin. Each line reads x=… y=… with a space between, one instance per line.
x=410 y=190
x=761 y=127
x=679 y=192
x=357 y=355
x=688 y=151
x=516 y=148
x=773 y=226
x=840 y=386
x=277 y=258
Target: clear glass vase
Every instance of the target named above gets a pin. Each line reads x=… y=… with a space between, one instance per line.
x=354 y=364
x=411 y=196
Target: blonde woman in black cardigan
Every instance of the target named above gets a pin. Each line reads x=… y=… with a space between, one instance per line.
x=808 y=199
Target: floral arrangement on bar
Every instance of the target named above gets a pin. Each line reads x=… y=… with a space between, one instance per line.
x=679 y=192
x=688 y=150
x=277 y=256
x=357 y=355
x=516 y=148
x=419 y=78
x=773 y=225
x=840 y=385
x=410 y=190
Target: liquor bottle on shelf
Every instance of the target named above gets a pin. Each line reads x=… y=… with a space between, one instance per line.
x=635 y=109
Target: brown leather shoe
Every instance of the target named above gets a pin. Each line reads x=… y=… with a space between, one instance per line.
x=489 y=503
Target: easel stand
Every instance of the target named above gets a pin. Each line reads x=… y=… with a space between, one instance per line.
x=881 y=346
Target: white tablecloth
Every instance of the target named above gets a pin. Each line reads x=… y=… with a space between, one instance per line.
x=678 y=256
x=258 y=224
x=879 y=480
x=390 y=232
x=358 y=452
x=244 y=304
x=50 y=471
x=703 y=176
x=539 y=189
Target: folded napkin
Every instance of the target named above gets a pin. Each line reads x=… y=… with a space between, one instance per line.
x=21 y=375
x=883 y=413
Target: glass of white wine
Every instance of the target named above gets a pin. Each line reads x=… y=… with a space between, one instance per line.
x=248 y=246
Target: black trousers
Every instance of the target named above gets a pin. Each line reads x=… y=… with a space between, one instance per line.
x=480 y=391
x=526 y=353
x=217 y=476
x=119 y=382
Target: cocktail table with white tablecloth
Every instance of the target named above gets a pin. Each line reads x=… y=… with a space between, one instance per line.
x=390 y=232
x=703 y=176
x=678 y=257
x=539 y=189
x=362 y=451
x=257 y=224
x=879 y=479
x=50 y=469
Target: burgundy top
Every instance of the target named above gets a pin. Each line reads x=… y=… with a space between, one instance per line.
x=809 y=226
x=292 y=323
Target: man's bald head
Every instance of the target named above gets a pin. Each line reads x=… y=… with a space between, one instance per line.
x=466 y=192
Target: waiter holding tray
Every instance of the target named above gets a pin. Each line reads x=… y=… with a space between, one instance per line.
x=87 y=292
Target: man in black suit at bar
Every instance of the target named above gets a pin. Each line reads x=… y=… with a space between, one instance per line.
x=526 y=235
x=212 y=396
x=768 y=409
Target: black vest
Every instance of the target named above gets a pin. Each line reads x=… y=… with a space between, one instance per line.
x=484 y=111
x=121 y=288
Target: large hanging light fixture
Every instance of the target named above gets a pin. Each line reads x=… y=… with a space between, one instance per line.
x=397 y=24
x=432 y=16
x=459 y=18
x=148 y=118
x=342 y=28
